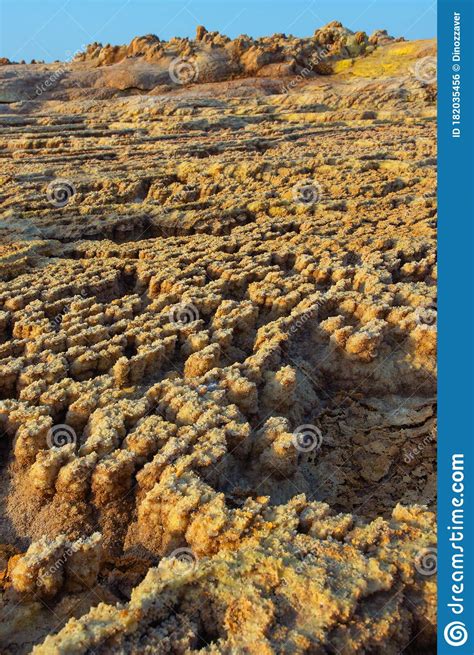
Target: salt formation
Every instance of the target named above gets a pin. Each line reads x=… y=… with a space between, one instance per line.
x=217 y=364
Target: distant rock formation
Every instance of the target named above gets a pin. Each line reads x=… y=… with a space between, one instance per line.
x=148 y=64
x=244 y=55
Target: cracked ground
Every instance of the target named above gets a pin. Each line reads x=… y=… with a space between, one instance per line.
x=217 y=369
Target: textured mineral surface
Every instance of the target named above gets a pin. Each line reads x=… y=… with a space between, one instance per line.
x=218 y=346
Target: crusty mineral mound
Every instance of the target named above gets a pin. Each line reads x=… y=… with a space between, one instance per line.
x=243 y=55
x=218 y=349
x=149 y=65
x=301 y=581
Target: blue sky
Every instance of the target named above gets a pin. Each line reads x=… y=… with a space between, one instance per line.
x=52 y=29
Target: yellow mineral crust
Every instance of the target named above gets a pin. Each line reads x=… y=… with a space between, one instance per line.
x=354 y=590
x=218 y=349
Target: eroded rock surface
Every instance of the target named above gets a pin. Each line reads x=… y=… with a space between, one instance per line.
x=217 y=363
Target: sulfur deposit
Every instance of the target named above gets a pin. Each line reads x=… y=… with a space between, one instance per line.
x=218 y=346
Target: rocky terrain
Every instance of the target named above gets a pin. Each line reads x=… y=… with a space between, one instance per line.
x=218 y=347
